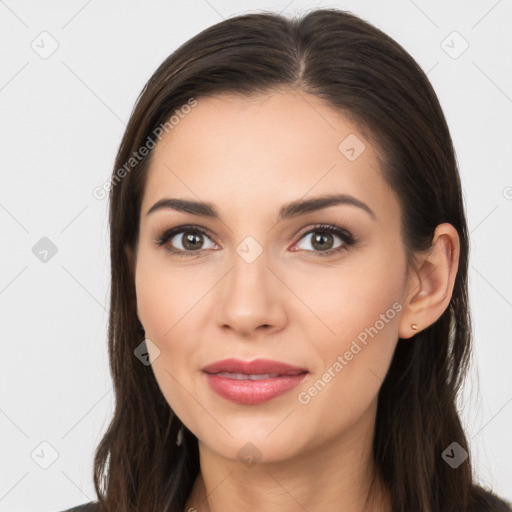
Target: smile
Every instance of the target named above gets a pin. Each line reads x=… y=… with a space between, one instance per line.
x=252 y=382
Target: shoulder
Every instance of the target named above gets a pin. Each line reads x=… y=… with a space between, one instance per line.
x=92 y=506
x=486 y=501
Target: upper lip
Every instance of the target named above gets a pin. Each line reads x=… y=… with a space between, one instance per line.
x=254 y=367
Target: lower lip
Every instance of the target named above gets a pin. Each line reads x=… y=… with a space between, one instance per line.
x=253 y=391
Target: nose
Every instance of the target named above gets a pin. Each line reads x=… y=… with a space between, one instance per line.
x=251 y=299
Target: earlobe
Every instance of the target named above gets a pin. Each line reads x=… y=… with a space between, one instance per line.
x=431 y=284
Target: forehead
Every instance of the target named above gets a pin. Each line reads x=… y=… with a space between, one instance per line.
x=279 y=146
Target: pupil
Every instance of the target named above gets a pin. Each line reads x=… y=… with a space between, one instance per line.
x=321 y=241
x=190 y=241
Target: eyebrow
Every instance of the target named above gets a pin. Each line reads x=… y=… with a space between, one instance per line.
x=288 y=211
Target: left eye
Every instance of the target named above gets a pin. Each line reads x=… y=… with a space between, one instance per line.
x=323 y=240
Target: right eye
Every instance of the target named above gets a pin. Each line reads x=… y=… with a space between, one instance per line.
x=185 y=240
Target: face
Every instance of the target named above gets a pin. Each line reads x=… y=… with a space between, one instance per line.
x=317 y=287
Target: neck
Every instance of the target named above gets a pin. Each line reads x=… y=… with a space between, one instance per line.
x=335 y=476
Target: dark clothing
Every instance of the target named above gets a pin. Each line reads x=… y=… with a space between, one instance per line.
x=483 y=501
x=85 y=507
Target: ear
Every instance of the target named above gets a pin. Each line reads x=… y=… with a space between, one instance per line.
x=430 y=284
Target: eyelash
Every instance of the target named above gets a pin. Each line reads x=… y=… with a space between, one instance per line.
x=346 y=237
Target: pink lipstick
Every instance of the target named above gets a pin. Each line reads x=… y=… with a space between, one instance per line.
x=252 y=382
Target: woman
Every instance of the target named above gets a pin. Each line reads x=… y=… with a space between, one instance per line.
x=289 y=320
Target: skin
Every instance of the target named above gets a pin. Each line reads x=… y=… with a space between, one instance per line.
x=249 y=157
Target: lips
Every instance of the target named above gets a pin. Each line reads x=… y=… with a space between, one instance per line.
x=255 y=367
x=252 y=382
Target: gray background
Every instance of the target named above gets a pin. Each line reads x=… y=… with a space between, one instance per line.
x=63 y=116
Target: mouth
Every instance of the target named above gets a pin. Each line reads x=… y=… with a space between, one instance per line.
x=252 y=382
x=253 y=376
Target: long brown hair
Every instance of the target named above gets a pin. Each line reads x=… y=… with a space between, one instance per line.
x=363 y=73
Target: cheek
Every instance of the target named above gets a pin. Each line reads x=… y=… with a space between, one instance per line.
x=167 y=295
x=346 y=383
x=170 y=308
x=361 y=306
x=349 y=298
